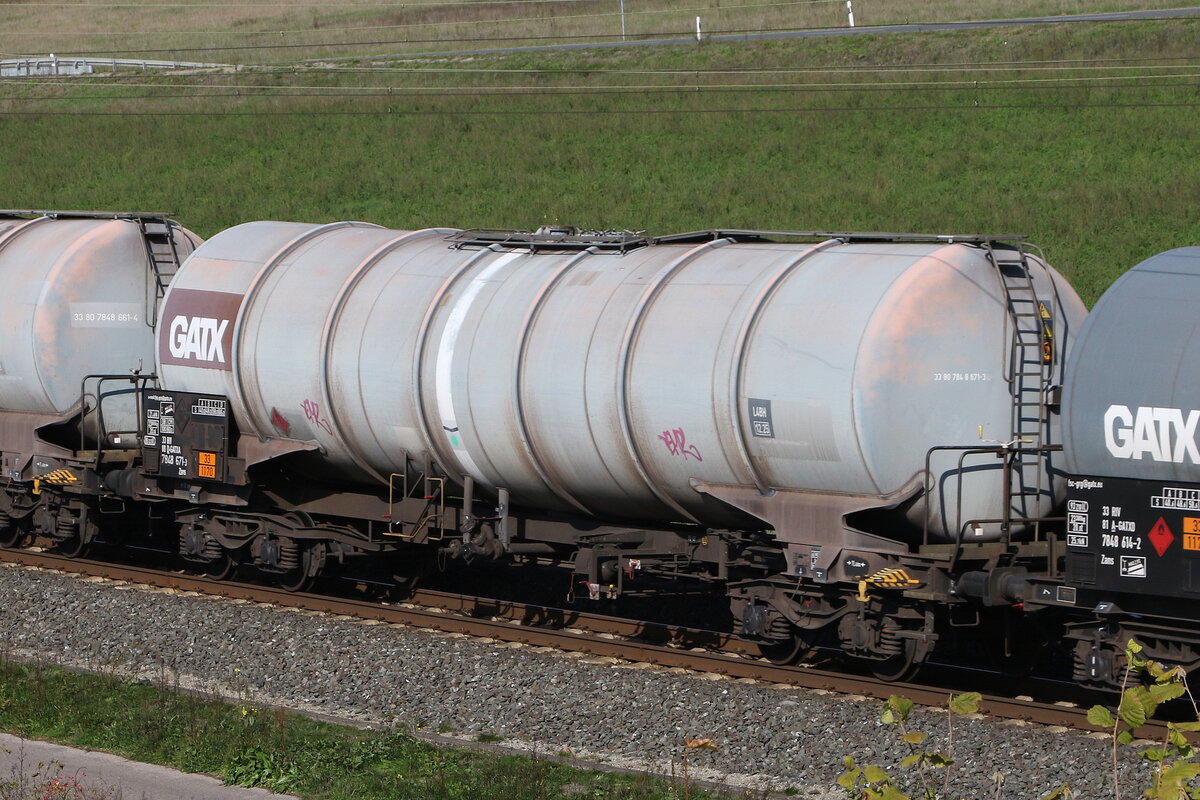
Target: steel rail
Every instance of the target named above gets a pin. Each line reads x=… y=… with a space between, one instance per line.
x=530 y=625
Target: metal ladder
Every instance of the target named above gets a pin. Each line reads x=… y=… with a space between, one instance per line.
x=159 y=235
x=429 y=524
x=1030 y=374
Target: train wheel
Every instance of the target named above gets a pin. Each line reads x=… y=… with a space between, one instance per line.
x=11 y=534
x=73 y=534
x=791 y=650
x=900 y=667
x=72 y=546
x=222 y=568
x=299 y=579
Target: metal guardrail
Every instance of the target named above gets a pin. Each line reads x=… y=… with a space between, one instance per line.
x=70 y=66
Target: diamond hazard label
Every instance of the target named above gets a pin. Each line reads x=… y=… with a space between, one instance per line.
x=1160 y=536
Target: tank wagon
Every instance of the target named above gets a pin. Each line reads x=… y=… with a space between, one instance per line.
x=79 y=308
x=1133 y=509
x=856 y=436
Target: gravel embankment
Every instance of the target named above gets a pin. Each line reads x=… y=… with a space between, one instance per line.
x=541 y=700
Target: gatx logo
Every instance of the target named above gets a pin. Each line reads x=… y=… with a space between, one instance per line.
x=197 y=328
x=198 y=338
x=1161 y=434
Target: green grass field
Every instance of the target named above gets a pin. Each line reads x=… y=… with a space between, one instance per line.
x=253 y=31
x=251 y=746
x=1082 y=137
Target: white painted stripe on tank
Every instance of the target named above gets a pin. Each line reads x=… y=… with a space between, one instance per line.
x=443 y=380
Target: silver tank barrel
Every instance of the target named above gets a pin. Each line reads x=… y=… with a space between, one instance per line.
x=1132 y=391
x=609 y=384
x=79 y=299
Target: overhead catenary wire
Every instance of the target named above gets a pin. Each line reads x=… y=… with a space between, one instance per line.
x=199 y=90
x=615 y=92
x=607 y=112
x=1036 y=65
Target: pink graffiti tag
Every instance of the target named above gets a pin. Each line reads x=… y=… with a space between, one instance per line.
x=313 y=412
x=676 y=442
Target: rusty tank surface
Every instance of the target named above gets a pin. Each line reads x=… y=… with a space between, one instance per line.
x=622 y=377
x=81 y=293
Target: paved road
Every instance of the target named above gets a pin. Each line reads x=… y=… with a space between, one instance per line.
x=110 y=776
x=820 y=33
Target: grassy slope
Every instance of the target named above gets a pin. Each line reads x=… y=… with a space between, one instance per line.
x=235 y=31
x=1098 y=188
x=284 y=752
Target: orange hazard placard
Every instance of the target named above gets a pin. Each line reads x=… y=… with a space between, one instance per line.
x=1191 y=524
x=208 y=471
x=208 y=459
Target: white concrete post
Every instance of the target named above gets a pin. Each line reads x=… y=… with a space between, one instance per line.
x=850 y=12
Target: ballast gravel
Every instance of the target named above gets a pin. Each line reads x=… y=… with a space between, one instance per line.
x=542 y=701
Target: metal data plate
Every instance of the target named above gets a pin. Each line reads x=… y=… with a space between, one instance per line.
x=1133 y=536
x=186 y=435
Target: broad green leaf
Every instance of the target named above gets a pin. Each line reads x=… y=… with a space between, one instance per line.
x=1101 y=716
x=1125 y=737
x=916 y=737
x=1181 y=771
x=849 y=762
x=1164 y=692
x=1176 y=738
x=1131 y=711
x=887 y=716
x=908 y=761
x=874 y=775
x=901 y=705
x=939 y=760
x=967 y=703
x=891 y=792
x=1154 y=754
x=1187 y=726
x=847 y=779
x=1133 y=647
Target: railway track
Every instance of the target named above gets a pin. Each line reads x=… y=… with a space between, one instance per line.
x=662 y=645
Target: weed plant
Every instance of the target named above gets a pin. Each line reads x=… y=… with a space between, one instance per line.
x=1147 y=685
x=50 y=781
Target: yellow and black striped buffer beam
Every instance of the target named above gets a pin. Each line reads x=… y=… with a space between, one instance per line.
x=58 y=477
x=892 y=578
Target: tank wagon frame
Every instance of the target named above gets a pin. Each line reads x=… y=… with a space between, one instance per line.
x=801 y=569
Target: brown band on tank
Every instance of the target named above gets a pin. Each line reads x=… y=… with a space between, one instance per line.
x=196 y=329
